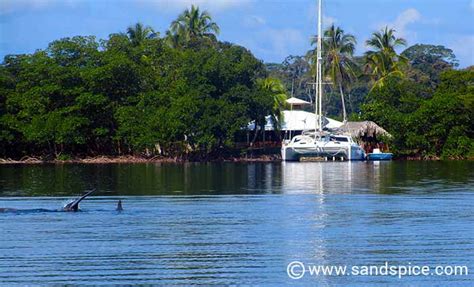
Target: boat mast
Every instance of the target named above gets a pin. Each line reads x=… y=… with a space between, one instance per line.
x=319 y=85
x=319 y=70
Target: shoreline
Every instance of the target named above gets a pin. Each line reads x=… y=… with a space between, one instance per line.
x=133 y=159
x=129 y=159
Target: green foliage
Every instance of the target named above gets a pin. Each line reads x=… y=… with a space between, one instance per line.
x=294 y=73
x=63 y=157
x=383 y=62
x=339 y=50
x=441 y=126
x=458 y=145
x=132 y=94
x=190 y=25
x=138 y=34
x=273 y=88
x=427 y=62
x=7 y=86
x=189 y=95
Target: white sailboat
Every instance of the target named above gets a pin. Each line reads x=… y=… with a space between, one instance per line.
x=321 y=143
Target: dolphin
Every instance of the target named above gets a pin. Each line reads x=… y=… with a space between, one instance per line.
x=8 y=209
x=119 y=206
x=73 y=206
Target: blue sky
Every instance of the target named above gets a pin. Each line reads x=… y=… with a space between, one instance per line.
x=271 y=29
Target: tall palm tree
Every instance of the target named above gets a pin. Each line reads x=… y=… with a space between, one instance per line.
x=139 y=33
x=194 y=23
x=338 y=51
x=383 y=61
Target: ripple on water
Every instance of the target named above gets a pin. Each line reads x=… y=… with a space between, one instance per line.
x=241 y=230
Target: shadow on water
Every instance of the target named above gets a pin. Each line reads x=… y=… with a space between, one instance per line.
x=236 y=178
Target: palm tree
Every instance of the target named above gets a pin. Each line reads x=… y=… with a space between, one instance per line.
x=384 y=61
x=277 y=91
x=193 y=23
x=338 y=51
x=139 y=33
x=173 y=40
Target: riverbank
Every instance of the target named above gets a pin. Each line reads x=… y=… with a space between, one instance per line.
x=161 y=159
x=136 y=159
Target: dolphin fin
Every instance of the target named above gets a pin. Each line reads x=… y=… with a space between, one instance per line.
x=119 y=205
x=74 y=205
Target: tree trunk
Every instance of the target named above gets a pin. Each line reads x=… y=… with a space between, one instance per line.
x=119 y=147
x=344 y=115
x=351 y=106
x=256 y=130
x=50 y=148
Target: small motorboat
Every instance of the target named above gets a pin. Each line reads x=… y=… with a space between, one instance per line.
x=378 y=155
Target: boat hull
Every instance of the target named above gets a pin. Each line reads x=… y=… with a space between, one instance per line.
x=353 y=152
x=379 y=156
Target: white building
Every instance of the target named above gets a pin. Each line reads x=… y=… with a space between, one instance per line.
x=297 y=119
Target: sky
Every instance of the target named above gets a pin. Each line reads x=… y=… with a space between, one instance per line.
x=271 y=29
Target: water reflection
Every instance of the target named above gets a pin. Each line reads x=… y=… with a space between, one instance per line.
x=235 y=178
x=333 y=177
x=235 y=224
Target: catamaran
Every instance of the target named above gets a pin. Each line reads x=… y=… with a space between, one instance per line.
x=322 y=142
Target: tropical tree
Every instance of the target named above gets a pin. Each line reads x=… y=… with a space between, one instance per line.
x=191 y=24
x=173 y=40
x=296 y=70
x=427 y=62
x=139 y=33
x=383 y=61
x=338 y=51
x=277 y=92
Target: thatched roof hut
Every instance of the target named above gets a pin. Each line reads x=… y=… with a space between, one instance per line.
x=364 y=130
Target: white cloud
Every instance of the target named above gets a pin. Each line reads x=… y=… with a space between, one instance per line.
x=402 y=23
x=407 y=17
x=253 y=21
x=212 y=5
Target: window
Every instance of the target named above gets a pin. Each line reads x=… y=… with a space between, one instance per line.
x=341 y=139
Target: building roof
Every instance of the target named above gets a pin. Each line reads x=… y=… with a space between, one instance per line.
x=297 y=102
x=364 y=129
x=298 y=121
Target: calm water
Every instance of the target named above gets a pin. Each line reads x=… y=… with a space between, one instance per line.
x=235 y=224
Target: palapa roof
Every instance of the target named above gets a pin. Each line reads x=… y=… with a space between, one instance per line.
x=364 y=129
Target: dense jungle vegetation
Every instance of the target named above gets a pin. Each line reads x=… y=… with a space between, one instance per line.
x=186 y=94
